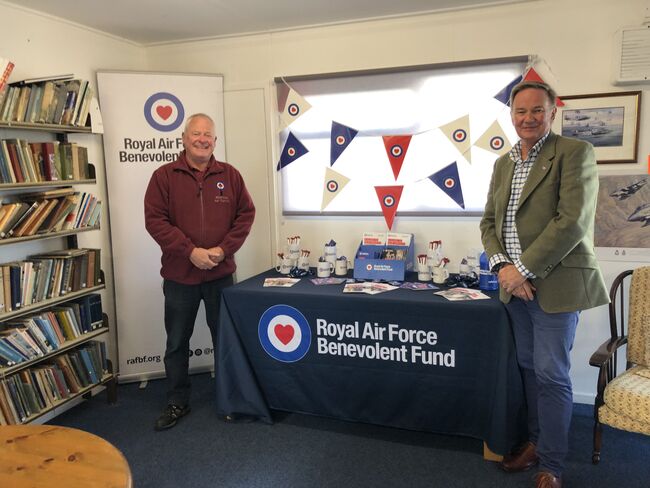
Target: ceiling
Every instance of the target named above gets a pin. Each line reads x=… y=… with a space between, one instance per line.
x=149 y=22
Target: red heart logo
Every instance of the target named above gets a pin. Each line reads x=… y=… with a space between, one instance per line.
x=164 y=111
x=284 y=333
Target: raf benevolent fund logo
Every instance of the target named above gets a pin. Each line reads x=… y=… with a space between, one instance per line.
x=164 y=112
x=284 y=333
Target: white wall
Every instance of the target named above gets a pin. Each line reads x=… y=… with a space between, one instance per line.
x=42 y=46
x=575 y=38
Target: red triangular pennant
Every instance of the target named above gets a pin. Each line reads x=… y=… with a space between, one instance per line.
x=389 y=197
x=532 y=75
x=396 y=147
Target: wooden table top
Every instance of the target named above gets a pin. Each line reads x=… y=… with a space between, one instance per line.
x=50 y=456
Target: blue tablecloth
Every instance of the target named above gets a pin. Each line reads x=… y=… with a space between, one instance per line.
x=407 y=359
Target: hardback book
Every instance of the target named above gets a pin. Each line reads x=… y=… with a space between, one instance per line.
x=93 y=375
x=7 y=158
x=49 y=152
x=6 y=285
x=46 y=101
x=69 y=374
x=17 y=414
x=23 y=216
x=15 y=161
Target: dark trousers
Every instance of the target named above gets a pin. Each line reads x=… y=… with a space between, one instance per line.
x=544 y=341
x=181 y=306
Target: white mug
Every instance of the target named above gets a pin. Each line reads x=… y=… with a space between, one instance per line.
x=424 y=272
x=285 y=265
x=440 y=275
x=324 y=269
x=303 y=263
x=341 y=267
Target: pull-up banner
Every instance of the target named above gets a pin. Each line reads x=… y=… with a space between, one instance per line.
x=143 y=116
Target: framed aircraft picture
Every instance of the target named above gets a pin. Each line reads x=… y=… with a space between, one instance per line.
x=609 y=121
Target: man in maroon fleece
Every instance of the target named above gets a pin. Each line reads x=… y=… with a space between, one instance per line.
x=199 y=211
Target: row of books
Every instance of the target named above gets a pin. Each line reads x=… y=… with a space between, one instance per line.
x=60 y=102
x=35 y=336
x=32 y=162
x=48 y=275
x=33 y=390
x=49 y=211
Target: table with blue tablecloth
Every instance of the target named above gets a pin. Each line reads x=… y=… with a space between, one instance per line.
x=403 y=358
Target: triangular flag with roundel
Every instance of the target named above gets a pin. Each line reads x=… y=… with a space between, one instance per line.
x=448 y=181
x=389 y=197
x=457 y=131
x=334 y=183
x=504 y=95
x=396 y=147
x=341 y=138
x=293 y=149
x=494 y=140
x=532 y=75
x=294 y=107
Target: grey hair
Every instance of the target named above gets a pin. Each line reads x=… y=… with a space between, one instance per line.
x=550 y=93
x=195 y=116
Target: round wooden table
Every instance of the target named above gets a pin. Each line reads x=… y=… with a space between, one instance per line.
x=51 y=456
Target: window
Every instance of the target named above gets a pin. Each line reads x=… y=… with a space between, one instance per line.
x=413 y=101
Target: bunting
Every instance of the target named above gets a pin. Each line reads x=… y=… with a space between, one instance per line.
x=447 y=180
x=293 y=149
x=341 y=138
x=396 y=147
x=389 y=197
x=532 y=75
x=494 y=140
x=294 y=107
x=504 y=95
x=334 y=183
x=457 y=132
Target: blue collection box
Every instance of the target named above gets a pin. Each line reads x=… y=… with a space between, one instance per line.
x=370 y=265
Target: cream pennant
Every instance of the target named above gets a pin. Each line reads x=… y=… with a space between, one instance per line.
x=295 y=106
x=457 y=132
x=334 y=183
x=494 y=140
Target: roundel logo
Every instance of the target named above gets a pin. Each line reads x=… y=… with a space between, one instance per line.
x=396 y=150
x=293 y=109
x=164 y=112
x=291 y=151
x=220 y=185
x=450 y=182
x=389 y=201
x=496 y=143
x=459 y=135
x=284 y=333
x=340 y=140
x=332 y=186
x=369 y=267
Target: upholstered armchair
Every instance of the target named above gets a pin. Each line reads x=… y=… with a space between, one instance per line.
x=623 y=400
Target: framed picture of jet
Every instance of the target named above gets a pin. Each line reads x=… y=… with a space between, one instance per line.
x=610 y=121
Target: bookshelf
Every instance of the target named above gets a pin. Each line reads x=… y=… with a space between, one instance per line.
x=59 y=313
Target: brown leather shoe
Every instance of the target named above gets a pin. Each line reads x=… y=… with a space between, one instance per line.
x=544 y=479
x=523 y=458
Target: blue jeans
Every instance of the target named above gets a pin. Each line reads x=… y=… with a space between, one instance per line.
x=181 y=306
x=544 y=341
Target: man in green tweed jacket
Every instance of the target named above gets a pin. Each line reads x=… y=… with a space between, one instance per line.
x=537 y=230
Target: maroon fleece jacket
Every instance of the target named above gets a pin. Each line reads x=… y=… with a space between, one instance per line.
x=185 y=208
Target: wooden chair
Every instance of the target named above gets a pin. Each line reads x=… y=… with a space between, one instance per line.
x=623 y=401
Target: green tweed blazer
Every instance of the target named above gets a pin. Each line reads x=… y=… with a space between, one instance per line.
x=555 y=224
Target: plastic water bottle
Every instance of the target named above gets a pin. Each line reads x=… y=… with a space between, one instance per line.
x=487 y=280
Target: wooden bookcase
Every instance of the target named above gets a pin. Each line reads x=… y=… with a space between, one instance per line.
x=105 y=376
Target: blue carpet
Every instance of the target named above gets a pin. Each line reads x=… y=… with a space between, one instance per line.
x=312 y=452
